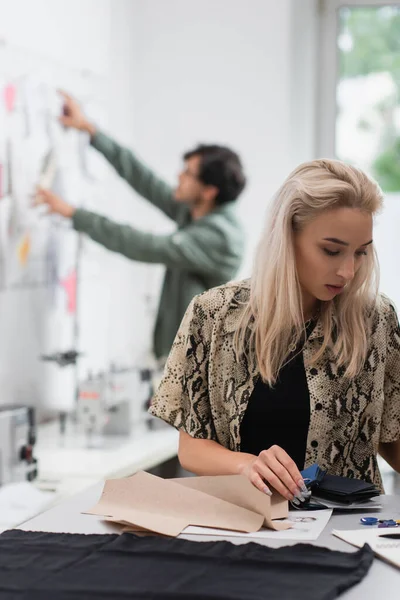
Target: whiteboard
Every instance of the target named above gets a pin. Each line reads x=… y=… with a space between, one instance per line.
x=40 y=255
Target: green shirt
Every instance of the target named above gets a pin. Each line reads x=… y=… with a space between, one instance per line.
x=199 y=255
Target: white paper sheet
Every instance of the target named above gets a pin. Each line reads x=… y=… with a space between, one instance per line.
x=386 y=548
x=306 y=525
x=372 y=504
x=21 y=501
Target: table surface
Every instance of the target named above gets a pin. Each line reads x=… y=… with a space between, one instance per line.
x=114 y=456
x=67 y=517
x=68 y=466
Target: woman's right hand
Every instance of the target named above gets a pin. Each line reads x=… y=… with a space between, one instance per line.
x=275 y=467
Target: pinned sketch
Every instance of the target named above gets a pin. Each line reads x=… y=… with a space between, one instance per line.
x=3 y=149
x=23 y=250
x=29 y=104
x=4 y=239
x=10 y=94
x=8 y=171
x=69 y=285
x=48 y=171
x=52 y=266
x=83 y=155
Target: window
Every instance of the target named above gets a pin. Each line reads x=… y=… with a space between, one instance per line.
x=359 y=107
x=361 y=76
x=359 y=112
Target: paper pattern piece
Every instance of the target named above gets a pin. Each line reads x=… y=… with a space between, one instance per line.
x=238 y=490
x=386 y=548
x=167 y=507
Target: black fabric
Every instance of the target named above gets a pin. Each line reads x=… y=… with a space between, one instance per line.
x=279 y=415
x=344 y=490
x=55 y=566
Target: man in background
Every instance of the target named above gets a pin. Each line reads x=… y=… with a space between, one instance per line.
x=206 y=249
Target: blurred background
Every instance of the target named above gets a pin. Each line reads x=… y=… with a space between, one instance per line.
x=280 y=82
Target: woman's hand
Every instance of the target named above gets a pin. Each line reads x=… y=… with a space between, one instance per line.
x=275 y=467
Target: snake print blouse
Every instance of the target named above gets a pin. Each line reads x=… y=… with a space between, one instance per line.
x=205 y=388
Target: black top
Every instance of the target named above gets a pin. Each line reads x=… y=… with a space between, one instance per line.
x=63 y=566
x=279 y=415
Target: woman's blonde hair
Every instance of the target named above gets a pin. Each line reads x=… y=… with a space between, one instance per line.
x=273 y=319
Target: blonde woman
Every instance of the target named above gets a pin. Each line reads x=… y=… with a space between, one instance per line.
x=301 y=364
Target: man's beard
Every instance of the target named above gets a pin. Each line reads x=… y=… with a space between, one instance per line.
x=189 y=201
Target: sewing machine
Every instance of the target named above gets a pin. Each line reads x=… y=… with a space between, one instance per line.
x=105 y=404
x=17 y=438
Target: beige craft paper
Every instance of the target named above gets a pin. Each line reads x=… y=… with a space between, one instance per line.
x=238 y=490
x=164 y=506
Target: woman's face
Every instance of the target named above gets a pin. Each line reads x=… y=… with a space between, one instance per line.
x=329 y=251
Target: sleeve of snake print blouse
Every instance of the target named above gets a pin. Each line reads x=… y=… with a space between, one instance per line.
x=182 y=399
x=390 y=426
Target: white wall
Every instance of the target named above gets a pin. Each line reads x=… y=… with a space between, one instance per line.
x=303 y=66
x=76 y=33
x=216 y=71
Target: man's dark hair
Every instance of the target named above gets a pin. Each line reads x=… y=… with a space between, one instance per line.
x=222 y=168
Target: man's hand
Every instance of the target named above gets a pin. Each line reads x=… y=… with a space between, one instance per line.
x=55 y=203
x=73 y=116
